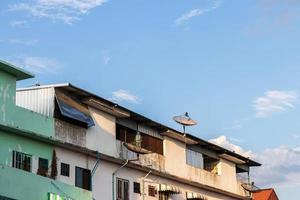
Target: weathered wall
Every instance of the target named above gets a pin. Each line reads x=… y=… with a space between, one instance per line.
x=102 y=136
x=102 y=180
x=70 y=133
x=21 y=185
x=10 y=142
x=14 y=116
x=175 y=163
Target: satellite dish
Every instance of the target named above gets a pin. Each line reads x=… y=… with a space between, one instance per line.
x=136 y=149
x=250 y=187
x=184 y=120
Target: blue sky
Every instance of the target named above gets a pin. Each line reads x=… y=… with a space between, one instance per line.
x=233 y=65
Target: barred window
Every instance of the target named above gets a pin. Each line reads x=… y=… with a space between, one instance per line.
x=64 y=169
x=21 y=161
x=151 y=191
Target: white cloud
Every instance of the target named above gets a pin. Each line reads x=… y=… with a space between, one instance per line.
x=40 y=65
x=225 y=143
x=124 y=95
x=18 y=23
x=31 y=42
x=197 y=12
x=274 y=101
x=67 y=11
x=280 y=165
x=106 y=59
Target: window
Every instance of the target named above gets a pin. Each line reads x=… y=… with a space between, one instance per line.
x=122 y=189
x=83 y=178
x=194 y=158
x=131 y=136
x=151 y=191
x=64 y=169
x=136 y=187
x=43 y=167
x=211 y=164
x=21 y=161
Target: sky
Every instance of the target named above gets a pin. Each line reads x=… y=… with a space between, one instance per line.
x=233 y=65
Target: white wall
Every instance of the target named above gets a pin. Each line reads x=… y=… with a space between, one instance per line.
x=102 y=136
x=102 y=180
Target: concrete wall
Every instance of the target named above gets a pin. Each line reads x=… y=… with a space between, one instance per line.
x=102 y=136
x=10 y=142
x=70 y=133
x=175 y=163
x=102 y=180
x=14 y=116
x=21 y=185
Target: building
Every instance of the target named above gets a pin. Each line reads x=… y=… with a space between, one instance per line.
x=265 y=194
x=96 y=141
x=26 y=152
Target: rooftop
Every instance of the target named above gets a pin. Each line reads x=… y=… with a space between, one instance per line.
x=114 y=107
x=19 y=73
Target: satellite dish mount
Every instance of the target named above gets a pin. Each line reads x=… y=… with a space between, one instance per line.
x=184 y=120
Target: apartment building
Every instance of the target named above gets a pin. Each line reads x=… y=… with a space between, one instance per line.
x=27 y=153
x=96 y=144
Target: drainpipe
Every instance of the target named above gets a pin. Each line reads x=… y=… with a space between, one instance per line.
x=115 y=172
x=113 y=178
x=143 y=182
x=95 y=168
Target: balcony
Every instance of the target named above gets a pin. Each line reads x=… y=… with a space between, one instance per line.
x=152 y=160
x=224 y=181
x=22 y=185
x=70 y=133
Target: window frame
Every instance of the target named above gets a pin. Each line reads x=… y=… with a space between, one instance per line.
x=81 y=184
x=120 y=194
x=137 y=187
x=151 y=191
x=65 y=171
x=42 y=167
x=19 y=161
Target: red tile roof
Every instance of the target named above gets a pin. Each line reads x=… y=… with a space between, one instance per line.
x=265 y=194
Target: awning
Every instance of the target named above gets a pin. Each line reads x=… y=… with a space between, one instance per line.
x=195 y=196
x=74 y=110
x=170 y=189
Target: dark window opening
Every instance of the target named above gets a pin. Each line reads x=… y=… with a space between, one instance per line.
x=136 y=187
x=83 y=178
x=21 y=161
x=43 y=167
x=163 y=196
x=131 y=136
x=122 y=189
x=151 y=191
x=210 y=164
x=64 y=169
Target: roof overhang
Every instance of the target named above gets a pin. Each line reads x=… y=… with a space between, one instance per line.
x=17 y=72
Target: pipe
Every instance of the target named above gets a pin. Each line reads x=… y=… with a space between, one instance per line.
x=96 y=164
x=94 y=169
x=113 y=178
x=115 y=172
x=143 y=182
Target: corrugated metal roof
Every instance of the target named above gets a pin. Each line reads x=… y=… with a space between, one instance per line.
x=140 y=118
x=39 y=100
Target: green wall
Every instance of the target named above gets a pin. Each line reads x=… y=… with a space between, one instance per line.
x=21 y=185
x=14 y=116
x=11 y=141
